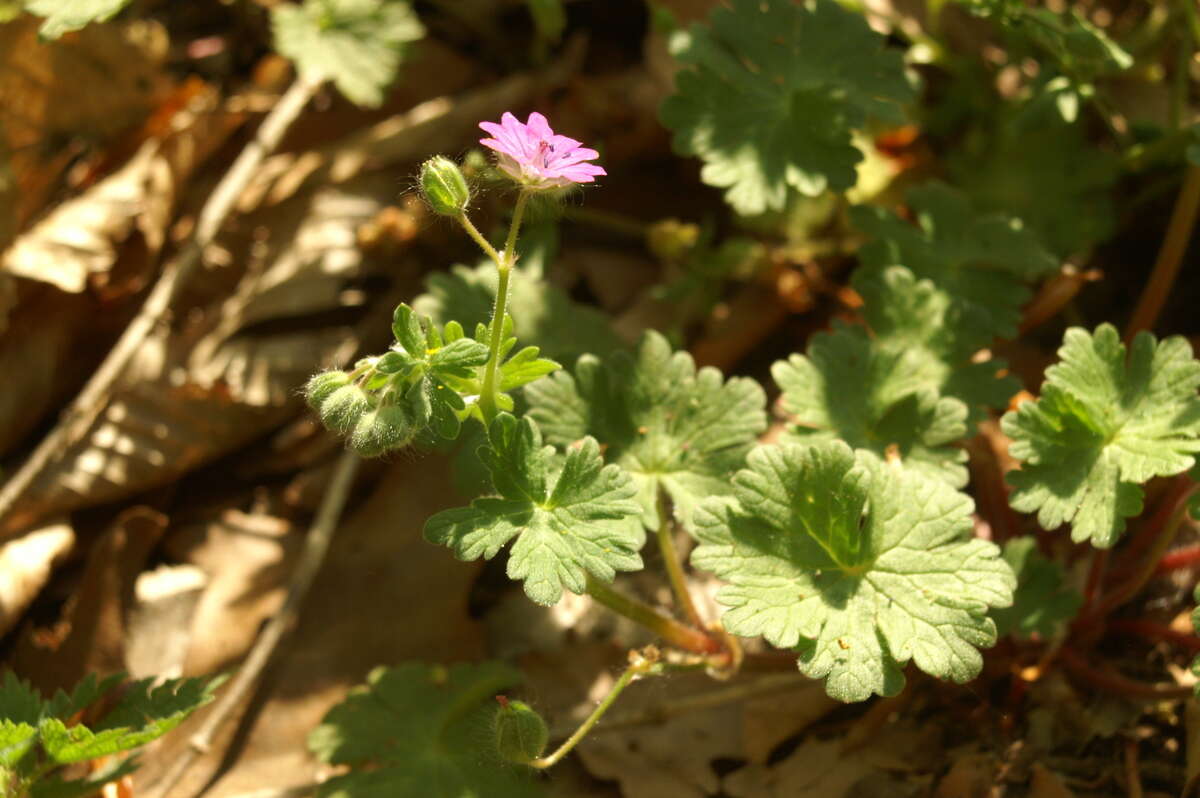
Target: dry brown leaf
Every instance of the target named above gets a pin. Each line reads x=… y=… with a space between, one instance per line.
x=25 y=566
x=83 y=237
x=160 y=625
x=226 y=377
x=971 y=776
x=384 y=596
x=90 y=638
x=247 y=560
x=767 y=722
x=824 y=769
x=1045 y=784
x=56 y=96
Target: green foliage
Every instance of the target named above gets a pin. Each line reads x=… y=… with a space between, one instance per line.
x=357 y=44
x=1045 y=173
x=1043 y=603
x=563 y=329
x=1104 y=424
x=859 y=566
x=981 y=261
x=909 y=320
x=674 y=428
x=39 y=735
x=774 y=91
x=850 y=389
x=421 y=731
x=64 y=16
x=549 y=17
x=1078 y=47
x=570 y=518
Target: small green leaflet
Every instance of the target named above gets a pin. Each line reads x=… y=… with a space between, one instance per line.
x=674 y=428
x=563 y=329
x=982 y=261
x=1044 y=601
x=64 y=16
x=143 y=713
x=858 y=565
x=570 y=518
x=774 y=91
x=1104 y=424
x=357 y=44
x=850 y=389
x=421 y=731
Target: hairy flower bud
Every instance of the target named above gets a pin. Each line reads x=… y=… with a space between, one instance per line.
x=322 y=386
x=381 y=430
x=342 y=409
x=444 y=187
x=521 y=734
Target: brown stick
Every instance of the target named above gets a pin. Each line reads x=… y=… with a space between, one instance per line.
x=94 y=396
x=316 y=545
x=1170 y=255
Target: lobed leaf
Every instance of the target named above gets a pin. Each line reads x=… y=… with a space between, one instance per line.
x=64 y=16
x=848 y=388
x=357 y=44
x=569 y=519
x=859 y=566
x=1104 y=424
x=774 y=90
x=420 y=731
x=674 y=428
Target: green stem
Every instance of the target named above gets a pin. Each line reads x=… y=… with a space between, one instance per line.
x=504 y=266
x=483 y=243
x=669 y=629
x=638 y=666
x=670 y=555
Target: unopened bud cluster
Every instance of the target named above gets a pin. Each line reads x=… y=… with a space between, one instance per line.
x=375 y=421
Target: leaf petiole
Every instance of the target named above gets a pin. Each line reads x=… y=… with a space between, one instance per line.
x=669 y=629
x=683 y=598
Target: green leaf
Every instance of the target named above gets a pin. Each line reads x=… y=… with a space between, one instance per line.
x=1048 y=175
x=54 y=787
x=672 y=427
x=859 y=566
x=1104 y=424
x=775 y=90
x=421 y=731
x=561 y=328
x=16 y=739
x=144 y=713
x=568 y=521
x=357 y=44
x=982 y=261
x=911 y=321
x=850 y=389
x=64 y=16
x=1079 y=47
x=1043 y=603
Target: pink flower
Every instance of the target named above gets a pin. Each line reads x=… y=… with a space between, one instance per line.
x=535 y=156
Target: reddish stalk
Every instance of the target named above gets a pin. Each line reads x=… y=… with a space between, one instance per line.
x=670 y=630
x=1157 y=632
x=1170 y=255
x=1112 y=682
x=1183 y=557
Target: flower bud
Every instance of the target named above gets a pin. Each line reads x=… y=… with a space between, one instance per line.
x=521 y=734
x=444 y=187
x=322 y=385
x=381 y=430
x=342 y=409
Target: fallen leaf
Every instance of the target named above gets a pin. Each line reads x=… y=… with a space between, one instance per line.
x=160 y=624
x=1045 y=784
x=25 y=566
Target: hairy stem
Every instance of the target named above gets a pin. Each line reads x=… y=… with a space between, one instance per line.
x=504 y=266
x=483 y=243
x=316 y=545
x=639 y=665
x=1155 y=631
x=669 y=629
x=666 y=545
x=1170 y=255
x=1113 y=682
x=94 y=397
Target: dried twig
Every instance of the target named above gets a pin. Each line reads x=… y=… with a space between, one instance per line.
x=94 y=396
x=311 y=559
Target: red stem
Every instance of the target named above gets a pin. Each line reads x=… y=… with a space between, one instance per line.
x=1116 y=683
x=1183 y=557
x=1155 y=631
